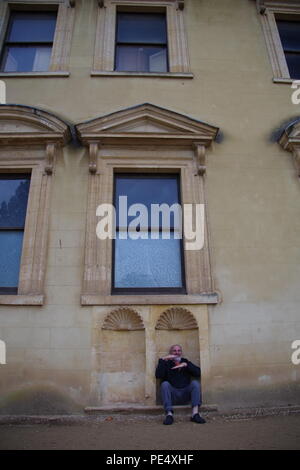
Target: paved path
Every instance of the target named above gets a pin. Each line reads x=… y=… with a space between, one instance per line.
x=269 y=432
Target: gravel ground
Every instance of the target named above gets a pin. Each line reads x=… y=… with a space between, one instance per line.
x=128 y=433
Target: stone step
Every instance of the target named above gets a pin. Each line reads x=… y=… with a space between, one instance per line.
x=142 y=409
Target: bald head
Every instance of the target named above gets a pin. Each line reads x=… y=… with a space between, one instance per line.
x=176 y=350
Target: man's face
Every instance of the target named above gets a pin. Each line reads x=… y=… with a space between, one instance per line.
x=176 y=351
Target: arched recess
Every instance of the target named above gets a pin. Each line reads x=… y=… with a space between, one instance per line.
x=177 y=325
x=122 y=358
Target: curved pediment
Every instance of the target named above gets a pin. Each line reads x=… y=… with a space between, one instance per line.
x=23 y=123
x=290 y=135
x=146 y=121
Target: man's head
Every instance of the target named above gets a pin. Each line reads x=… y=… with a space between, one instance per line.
x=176 y=350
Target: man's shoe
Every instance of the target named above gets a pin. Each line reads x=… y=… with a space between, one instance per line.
x=169 y=419
x=198 y=419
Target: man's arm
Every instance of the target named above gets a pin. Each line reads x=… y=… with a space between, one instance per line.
x=161 y=369
x=194 y=370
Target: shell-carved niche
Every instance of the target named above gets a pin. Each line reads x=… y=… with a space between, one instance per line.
x=123 y=319
x=176 y=318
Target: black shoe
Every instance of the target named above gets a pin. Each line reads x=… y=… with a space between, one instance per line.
x=198 y=419
x=169 y=419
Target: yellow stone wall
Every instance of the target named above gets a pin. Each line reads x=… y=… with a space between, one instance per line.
x=253 y=196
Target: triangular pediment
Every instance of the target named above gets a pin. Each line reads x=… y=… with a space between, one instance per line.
x=146 y=120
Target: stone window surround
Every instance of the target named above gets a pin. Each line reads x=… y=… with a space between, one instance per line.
x=106 y=35
x=268 y=10
x=34 y=151
x=113 y=151
x=59 y=63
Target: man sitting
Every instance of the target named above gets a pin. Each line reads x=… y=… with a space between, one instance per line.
x=177 y=386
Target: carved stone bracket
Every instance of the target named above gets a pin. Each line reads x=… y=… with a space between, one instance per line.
x=200 y=158
x=93 y=152
x=50 y=153
x=296 y=153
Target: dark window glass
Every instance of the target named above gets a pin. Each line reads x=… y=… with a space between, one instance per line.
x=29 y=41
x=14 y=190
x=289 y=32
x=141 y=43
x=147 y=264
x=143 y=28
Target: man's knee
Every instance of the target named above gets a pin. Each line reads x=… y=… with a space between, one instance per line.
x=165 y=385
x=195 y=384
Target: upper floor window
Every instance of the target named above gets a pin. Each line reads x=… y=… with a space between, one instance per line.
x=141 y=38
x=281 y=26
x=14 y=190
x=141 y=44
x=289 y=32
x=36 y=37
x=29 y=41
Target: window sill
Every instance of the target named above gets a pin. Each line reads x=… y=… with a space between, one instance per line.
x=210 y=298
x=34 y=74
x=95 y=73
x=284 y=80
x=21 y=299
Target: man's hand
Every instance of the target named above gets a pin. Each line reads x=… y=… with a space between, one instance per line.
x=182 y=364
x=170 y=357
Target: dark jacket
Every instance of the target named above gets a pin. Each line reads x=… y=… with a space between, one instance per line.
x=178 y=378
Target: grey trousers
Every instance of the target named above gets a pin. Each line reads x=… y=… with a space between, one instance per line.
x=177 y=396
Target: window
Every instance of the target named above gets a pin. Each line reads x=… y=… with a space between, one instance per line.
x=30 y=142
x=289 y=32
x=35 y=37
x=281 y=26
x=29 y=41
x=14 y=190
x=150 y=155
x=153 y=262
x=141 y=42
x=141 y=38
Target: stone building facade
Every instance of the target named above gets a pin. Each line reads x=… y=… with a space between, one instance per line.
x=213 y=105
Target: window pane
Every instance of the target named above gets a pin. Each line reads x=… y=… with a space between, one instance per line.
x=141 y=59
x=293 y=62
x=142 y=28
x=27 y=59
x=13 y=201
x=147 y=263
x=147 y=190
x=10 y=256
x=32 y=26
